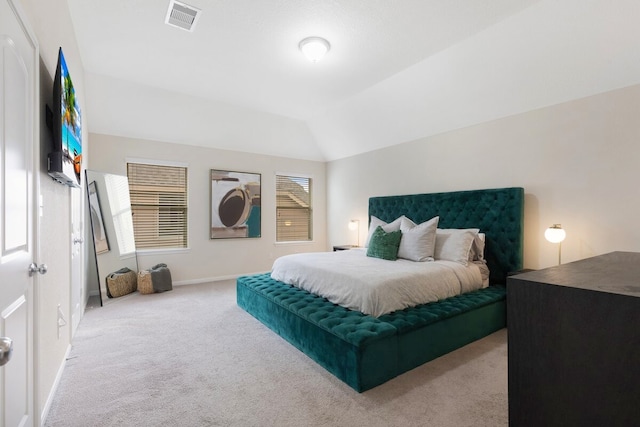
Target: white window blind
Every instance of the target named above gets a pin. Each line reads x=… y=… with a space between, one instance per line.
x=293 y=209
x=159 y=205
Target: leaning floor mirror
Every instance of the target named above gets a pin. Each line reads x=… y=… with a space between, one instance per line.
x=111 y=220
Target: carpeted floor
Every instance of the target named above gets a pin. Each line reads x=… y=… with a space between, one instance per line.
x=191 y=357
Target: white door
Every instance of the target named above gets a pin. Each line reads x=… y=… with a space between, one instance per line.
x=18 y=136
x=77 y=265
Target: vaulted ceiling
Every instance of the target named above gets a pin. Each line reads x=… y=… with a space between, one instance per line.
x=397 y=70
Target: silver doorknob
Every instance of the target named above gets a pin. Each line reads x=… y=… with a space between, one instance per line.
x=33 y=269
x=6 y=349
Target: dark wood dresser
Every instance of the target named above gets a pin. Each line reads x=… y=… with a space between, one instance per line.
x=574 y=343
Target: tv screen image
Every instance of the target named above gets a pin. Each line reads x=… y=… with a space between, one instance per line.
x=65 y=163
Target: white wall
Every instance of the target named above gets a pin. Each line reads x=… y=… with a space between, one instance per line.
x=161 y=115
x=546 y=54
x=208 y=259
x=577 y=161
x=52 y=25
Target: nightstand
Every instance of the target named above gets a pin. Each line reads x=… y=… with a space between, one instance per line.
x=343 y=247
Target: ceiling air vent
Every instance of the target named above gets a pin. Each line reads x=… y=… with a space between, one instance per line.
x=182 y=15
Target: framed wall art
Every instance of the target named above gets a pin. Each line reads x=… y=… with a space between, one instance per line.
x=235 y=204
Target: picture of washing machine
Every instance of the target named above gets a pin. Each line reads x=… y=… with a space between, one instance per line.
x=235 y=204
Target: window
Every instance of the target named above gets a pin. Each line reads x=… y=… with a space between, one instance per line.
x=293 y=209
x=118 y=196
x=159 y=205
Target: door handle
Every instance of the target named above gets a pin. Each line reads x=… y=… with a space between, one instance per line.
x=78 y=240
x=6 y=349
x=33 y=269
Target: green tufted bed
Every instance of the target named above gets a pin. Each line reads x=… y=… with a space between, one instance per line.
x=365 y=351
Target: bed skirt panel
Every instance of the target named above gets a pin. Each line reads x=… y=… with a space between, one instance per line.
x=364 y=351
x=427 y=343
x=361 y=352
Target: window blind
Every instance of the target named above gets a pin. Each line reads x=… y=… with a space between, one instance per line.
x=293 y=209
x=159 y=205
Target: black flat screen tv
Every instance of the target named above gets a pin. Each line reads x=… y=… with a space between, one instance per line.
x=65 y=161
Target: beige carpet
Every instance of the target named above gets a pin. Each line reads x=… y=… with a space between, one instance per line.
x=191 y=357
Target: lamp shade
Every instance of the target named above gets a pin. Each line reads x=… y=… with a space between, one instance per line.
x=314 y=48
x=555 y=234
x=354 y=224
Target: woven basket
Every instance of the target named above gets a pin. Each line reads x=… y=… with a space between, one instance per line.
x=156 y=279
x=121 y=282
x=145 y=283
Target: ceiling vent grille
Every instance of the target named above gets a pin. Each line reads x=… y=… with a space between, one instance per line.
x=182 y=15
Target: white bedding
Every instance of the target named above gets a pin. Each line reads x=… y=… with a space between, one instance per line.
x=374 y=286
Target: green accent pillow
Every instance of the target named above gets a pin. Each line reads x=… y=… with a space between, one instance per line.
x=384 y=245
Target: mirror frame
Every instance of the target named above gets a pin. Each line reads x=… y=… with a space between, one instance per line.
x=105 y=242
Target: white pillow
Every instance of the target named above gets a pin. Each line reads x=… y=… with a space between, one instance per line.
x=418 y=242
x=388 y=227
x=454 y=244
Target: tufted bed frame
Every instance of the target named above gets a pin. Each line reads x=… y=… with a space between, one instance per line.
x=364 y=351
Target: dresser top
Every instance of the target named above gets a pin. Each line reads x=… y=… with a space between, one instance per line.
x=615 y=272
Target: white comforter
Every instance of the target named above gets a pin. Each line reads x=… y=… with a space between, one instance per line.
x=374 y=286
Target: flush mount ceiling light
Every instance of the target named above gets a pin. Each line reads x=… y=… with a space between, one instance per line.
x=314 y=48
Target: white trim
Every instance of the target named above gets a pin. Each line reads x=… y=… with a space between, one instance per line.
x=33 y=304
x=162 y=251
x=294 y=243
x=13 y=307
x=214 y=279
x=75 y=315
x=294 y=175
x=146 y=252
x=313 y=211
x=56 y=382
x=128 y=255
x=156 y=162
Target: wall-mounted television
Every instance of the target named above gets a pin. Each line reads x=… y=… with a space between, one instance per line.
x=65 y=161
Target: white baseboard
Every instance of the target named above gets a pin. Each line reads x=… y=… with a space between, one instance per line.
x=54 y=388
x=213 y=279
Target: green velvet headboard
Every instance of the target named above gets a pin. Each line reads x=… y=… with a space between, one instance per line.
x=499 y=213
